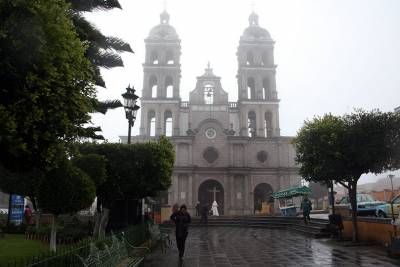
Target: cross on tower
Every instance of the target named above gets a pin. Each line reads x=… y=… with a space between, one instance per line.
x=214 y=191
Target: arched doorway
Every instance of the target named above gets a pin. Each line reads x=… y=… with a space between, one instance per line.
x=262 y=198
x=210 y=190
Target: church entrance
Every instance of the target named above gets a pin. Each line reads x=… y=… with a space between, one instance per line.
x=262 y=199
x=209 y=191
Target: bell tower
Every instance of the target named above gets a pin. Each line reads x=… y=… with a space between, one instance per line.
x=258 y=101
x=162 y=72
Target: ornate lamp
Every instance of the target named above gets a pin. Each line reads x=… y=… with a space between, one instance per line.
x=130 y=99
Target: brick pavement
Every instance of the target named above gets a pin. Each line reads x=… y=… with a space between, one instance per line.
x=235 y=246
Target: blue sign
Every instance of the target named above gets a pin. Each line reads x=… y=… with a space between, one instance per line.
x=17 y=209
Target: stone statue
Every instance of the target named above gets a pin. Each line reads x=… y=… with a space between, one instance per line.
x=214 y=208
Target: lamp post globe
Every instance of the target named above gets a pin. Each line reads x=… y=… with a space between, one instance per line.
x=130 y=100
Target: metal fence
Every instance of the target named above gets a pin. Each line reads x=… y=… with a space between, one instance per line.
x=66 y=255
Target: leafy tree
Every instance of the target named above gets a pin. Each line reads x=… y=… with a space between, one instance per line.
x=133 y=171
x=343 y=148
x=95 y=166
x=370 y=144
x=64 y=190
x=318 y=145
x=46 y=91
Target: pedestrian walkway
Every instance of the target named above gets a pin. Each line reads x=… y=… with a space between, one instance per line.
x=235 y=246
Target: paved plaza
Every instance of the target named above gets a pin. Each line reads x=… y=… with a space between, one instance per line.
x=234 y=246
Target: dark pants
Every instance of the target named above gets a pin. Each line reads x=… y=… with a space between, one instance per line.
x=180 y=243
x=306 y=216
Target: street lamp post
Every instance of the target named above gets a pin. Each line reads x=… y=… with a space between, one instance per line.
x=391 y=204
x=130 y=99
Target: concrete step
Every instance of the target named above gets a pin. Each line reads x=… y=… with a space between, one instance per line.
x=316 y=227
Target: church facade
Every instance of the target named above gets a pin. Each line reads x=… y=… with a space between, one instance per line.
x=231 y=152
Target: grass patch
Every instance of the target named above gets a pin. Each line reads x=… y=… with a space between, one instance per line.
x=16 y=247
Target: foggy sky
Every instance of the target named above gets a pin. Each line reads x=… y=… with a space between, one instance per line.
x=332 y=55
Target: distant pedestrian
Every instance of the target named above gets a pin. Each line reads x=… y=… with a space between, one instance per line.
x=28 y=215
x=306 y=207
x=198 y=209
x=204 y=214
x=182 y=220
x=214 y=208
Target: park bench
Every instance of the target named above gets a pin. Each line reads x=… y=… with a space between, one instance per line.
x=161 y=235
x=119 y=253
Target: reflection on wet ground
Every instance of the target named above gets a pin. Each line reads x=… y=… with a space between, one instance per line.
x=234 y=246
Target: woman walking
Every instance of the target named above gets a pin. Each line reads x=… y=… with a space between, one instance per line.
x=181 y=219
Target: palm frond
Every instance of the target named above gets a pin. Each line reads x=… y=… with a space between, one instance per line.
x=98 y=79
x=105 y=59
x=87 y=31
x=90 y=132
x=90 y=5
x=118 y=44
x=104 y=106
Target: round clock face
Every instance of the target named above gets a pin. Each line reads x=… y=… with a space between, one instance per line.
x=211 y=133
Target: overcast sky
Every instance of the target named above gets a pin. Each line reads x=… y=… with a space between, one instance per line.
x=332 y=55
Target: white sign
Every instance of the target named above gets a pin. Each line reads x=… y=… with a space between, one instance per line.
x=183 y=195
x=239 y=195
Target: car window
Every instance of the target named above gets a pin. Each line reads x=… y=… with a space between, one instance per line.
x=365 y=198
x=396 y=200
x=344 y=201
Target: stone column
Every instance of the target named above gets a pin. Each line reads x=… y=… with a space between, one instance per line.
x=175 y=121
x=159 y=122
x=246 y=193
x=231 y=163
x=226 y=197
x=190 y=156
x=232 y=192
x=190 y=191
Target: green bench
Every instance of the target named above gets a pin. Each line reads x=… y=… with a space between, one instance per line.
x=160 y=235
x=120 y=253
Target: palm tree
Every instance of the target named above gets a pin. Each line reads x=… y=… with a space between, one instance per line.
x=103 y=51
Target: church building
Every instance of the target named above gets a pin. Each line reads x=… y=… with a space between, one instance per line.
x=231 y=152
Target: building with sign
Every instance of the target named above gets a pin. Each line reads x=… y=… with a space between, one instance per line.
x=231 y=152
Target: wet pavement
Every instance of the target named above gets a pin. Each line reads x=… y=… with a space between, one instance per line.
x=235 y=246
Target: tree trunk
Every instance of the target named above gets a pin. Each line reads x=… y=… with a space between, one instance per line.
x=97 y=218
x=332 y=197
x=53 y=235
x=353 y=202
x=103 y=222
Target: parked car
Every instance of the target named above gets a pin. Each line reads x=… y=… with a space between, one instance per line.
x=385 y=210
x=366 y=204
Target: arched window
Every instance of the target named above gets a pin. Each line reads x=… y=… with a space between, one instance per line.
x=154 y=58
x=268 y=124
x=264 y=59
x=153 y=86
x=251 y=88
x=168 y=123
x=169 y=87
x=208 y=94
x=266 y=92
x=252 y=124
x=249 y=58
x=152 y=123
x=169 y=58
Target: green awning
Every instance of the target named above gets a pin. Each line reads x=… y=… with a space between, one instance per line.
x=292 y=192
